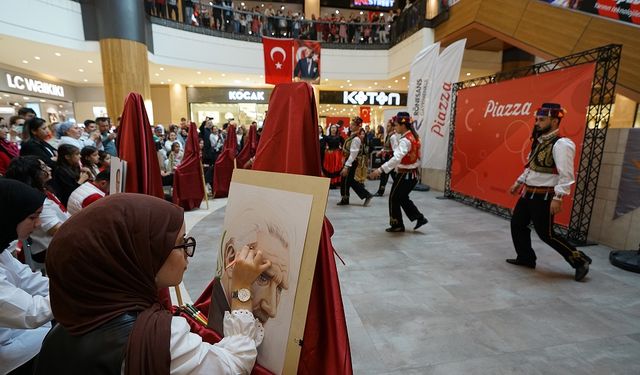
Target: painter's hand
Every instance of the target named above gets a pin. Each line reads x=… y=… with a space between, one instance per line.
x=249 y=264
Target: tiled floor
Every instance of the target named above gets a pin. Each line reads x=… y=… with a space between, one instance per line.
x=443 y=301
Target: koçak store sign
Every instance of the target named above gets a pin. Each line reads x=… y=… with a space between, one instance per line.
x=25 y=85
x=227 y=95
x=364 y=98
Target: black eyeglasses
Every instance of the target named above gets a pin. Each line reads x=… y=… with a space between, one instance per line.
x=189 y=246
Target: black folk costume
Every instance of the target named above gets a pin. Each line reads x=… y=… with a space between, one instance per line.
x=390 y=144
x=548 y=176
x=406 y=162
x=356 y=159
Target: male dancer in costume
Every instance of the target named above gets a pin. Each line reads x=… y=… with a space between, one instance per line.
x=390 y=144
x=406 y=158
x=356 y=159
x=547 y=178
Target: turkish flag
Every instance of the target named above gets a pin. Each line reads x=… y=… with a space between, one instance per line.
x=188 y=189
x=278 y=60
x=365 y=114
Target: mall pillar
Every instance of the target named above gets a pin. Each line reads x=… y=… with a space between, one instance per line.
x=123 y=51
x=311 y=7
x=514 y=58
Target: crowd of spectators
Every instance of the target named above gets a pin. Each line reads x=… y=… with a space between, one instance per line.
x=357 y=27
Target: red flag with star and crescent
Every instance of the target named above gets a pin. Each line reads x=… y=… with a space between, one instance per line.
x=278 y=60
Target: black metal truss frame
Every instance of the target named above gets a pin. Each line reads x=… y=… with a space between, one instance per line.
x=607 y=62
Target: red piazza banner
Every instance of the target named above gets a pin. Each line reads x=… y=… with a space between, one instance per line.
x=622 y=10
x=493 y=126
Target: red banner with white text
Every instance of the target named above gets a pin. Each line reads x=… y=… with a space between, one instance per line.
x=493 y=126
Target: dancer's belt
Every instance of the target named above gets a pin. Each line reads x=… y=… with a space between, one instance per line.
x=405 y=170
x=538 y=189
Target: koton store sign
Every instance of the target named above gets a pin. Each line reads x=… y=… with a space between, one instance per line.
x=19 y=82
x=370 y=97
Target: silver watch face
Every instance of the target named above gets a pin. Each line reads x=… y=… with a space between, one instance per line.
x=244 y=295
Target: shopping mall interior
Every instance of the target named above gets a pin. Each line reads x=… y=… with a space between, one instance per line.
x=437 y=300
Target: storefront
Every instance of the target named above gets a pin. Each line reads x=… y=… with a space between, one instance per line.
x=370 y=105
x=222 y=104
x=51 y=101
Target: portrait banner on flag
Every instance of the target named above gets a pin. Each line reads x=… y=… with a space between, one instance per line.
x=307 y=61
x=420 y=77
x=435 y=142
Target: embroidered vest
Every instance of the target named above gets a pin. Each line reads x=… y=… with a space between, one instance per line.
x=346 y=148
x=541 y=157
x=414 y=154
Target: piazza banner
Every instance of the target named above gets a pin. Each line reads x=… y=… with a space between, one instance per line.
x=493 y=126
x=621 y=10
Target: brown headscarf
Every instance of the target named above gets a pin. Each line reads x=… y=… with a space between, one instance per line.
x=103 y=262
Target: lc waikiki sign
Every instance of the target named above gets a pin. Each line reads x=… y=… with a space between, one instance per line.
x=18 y=82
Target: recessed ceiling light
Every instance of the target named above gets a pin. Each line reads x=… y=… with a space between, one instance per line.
x=25 y=62
x=326 y=79
x=468 y=74
x=161 y=68
x=26 y=98
x=90 y=61
x=389 y=86
x=246 y=79
x=350 y=85
x=16 y=103
x=224 y=75
x=201 y=81
x=42 y=101
x=60 y=105
x=396 y=81
x=341 y=87
x=86 y=80
x=36 y=57
x=157 y=74
x=209 y=78
x=190 y=85
x=261 y=75
x=404 y=77
x=198 y=72
x=58 y=54
x=369 y=87
x=162 y=82
x=169 y=80
x=81 y=70
x=6 y=95
x=236 y=81
x=348 y=80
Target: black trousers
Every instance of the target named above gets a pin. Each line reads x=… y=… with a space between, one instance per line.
x=349 y=182
x=536 y=208
x=384 y=178
x=403 y=183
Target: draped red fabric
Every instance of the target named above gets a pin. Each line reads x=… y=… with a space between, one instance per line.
x=289 y=144
x=188 y=190
x=225 y=164
x=135 y=145
x=250 y=147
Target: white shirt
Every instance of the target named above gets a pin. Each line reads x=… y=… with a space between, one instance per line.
x=564 y=151
x=76 y=199
x=79 y=143
x=400 y=150
x=356 y=143
x=25 y=312
x=51 y=216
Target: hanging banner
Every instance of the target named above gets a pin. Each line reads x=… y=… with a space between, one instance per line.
x=629 y=188
x=420 y=77
x=621 y=10
x=278 y=60
x=493 y=126
x=438 y=111
x=365 y=114
x=307 y=61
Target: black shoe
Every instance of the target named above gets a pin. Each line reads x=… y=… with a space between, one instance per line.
x=367 y=200
x=395 y=229
x=422 y=221
x=582 y=271
x=379 y=193
x=343 y=203
x=518 y=262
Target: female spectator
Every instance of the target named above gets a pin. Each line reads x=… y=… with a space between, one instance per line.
x=137 y=247
x=8 y=149
x=70 y=134
x=35 y=173
x=16 y=129
x=174 y=158
x=105 y=160
x=182 y=136
x=24 y=295
x=171 y=139
x=90 y=158
x=37 y=144
x=68 y=174
x=332 y=164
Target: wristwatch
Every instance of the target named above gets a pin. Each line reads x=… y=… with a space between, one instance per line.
x=243 y=295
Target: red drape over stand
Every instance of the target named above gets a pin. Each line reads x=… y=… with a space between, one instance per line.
x=188 y=191
x=225 y=164
x=249 y=149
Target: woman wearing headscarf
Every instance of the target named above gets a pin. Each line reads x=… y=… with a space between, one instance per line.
x=24 y=295
x=105 y=275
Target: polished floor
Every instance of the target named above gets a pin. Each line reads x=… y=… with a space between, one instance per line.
x=442 y=300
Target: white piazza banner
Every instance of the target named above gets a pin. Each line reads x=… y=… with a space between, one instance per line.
x=420 y=77
x=435 y=142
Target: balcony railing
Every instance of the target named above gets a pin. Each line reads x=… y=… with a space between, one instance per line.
x=369 y=30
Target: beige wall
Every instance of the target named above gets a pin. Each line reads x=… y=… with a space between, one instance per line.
x=623 y=113
x=623 y=232
x=169 y=103
x=178 y=97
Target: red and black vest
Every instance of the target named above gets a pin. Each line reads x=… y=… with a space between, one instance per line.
x=414 y=153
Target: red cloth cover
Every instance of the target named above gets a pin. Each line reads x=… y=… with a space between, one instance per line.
x=289 y=144
x=188 y=190
x=250 y=147
x=225 y=164
x=135 y=145
x=278 y=60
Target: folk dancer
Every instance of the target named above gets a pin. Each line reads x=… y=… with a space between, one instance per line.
x=406 y=161
x=547 y=178
x=356 y=159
